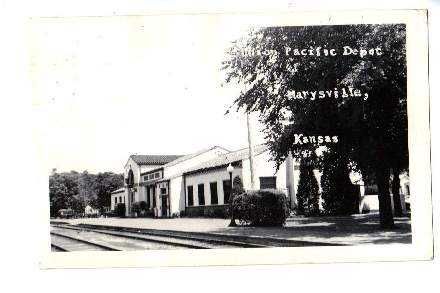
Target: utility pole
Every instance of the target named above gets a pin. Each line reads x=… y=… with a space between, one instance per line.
x=251 y=151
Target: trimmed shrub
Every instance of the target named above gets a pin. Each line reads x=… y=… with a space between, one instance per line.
x=149 y=213
x=135 y=208
x=308 y=190
x=120 y=210
x=143 y=206
x=265 y=207
x=214 y=211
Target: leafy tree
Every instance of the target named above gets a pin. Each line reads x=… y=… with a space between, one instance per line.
x=86 y=190
x=339 y=195
x=106 y=183
x=371 y=132
x=308 y=190
x=62 y=187
x=75 y=190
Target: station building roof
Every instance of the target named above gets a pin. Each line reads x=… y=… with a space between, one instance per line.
x=122 y=189
x=226 y=159
x=153 y=159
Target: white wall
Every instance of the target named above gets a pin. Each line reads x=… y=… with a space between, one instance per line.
x=217 y=175
x=264 y=167
x=176 y=184
x=177 y=195
x=117 y=195
x=140 y=193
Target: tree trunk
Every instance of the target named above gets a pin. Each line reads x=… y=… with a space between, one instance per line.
x=396 y=193
x=383 y=184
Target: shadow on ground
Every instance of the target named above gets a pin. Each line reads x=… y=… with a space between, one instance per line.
x=353 y=230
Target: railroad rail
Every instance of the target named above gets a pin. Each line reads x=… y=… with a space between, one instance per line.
x=182 y=239
x=65 y=243
x=165 y=241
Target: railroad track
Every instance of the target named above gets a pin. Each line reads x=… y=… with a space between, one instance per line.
x=132 y=240
x=62 y=242
x=124 y=238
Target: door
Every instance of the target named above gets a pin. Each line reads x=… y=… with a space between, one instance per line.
x=164 y=206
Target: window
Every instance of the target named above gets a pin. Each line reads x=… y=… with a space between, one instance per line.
x=156 y=175
x=268 y=182
x=201 y=194
x=226 y=191
x=163 y=191
x=213 y=189
x=148 y=196
x=116 y=199
x=154 y=196
x=371 y=189
x=146 y=178
x=120 y=199
x=190 y=196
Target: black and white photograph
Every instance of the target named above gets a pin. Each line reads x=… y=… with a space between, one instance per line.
x=182 y=133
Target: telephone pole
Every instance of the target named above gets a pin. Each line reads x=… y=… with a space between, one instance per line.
x=251 y=151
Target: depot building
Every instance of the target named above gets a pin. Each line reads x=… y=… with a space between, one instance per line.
x=199 y=184
x=194 y=184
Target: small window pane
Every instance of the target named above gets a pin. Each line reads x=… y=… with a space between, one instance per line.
x=226 y=191
x=268 y=182
x=190 y=196
x=213 y=189
x=201 y=194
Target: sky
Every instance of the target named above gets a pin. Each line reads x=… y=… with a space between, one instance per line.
x=107 y=87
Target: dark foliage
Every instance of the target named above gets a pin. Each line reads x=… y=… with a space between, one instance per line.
x=120 y=210
x=372 y=133
x=339 y=195
x=143 y=206
x=135 y=208
x=308 y=190
x=76 y=190
x=214 y=211
x=237 y=186
x=261 y=208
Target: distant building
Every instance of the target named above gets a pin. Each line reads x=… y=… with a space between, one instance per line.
x=118 y=196
x=89 y=211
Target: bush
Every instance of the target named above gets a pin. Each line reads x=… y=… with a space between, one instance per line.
x=308 y=190
x=215 y=211
x=143 y=206
x=120 y=210
x=261 y=208
x=135 y=208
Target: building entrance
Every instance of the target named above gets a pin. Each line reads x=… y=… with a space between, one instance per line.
x=164 y=206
